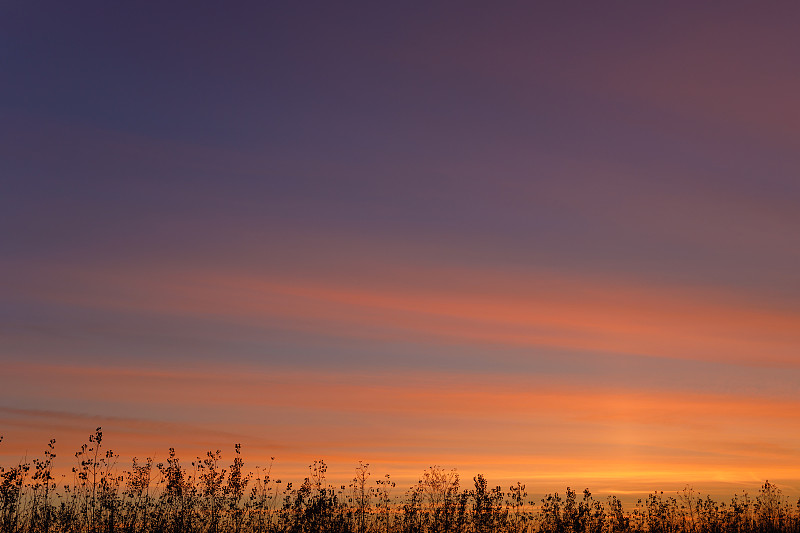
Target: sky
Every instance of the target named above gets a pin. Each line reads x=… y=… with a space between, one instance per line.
x=547 y=242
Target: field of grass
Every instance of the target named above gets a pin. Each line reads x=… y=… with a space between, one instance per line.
x=213 y=495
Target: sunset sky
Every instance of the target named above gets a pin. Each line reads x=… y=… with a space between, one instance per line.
x=549 y=242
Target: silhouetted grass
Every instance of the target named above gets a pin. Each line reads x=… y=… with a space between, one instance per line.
x=206 y=495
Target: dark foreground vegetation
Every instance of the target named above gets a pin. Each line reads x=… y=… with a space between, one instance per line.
x=207 y=495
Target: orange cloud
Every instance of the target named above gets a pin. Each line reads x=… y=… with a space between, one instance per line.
x=536 y=310
x=537 y=427
x=510 y=427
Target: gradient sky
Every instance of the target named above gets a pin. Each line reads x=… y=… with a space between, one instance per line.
x=556 y=243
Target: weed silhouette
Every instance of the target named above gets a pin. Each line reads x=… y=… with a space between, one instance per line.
x=166 y=497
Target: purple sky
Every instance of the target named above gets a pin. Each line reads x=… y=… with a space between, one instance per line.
x=597 y=199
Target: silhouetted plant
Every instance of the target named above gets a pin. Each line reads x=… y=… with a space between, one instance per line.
x=41 y=513
x=11 y=482
x=210 y=499
x=487 y=512
x=136 y=496
x=211 y=478
x=262 y=501
x=440 y=497
x=518 y=516
x=234 y=491
x=361 y=497
x=550 y=520
x=772 y=509
x=593 y=514
x=384 y=504
x=618 y=520
x=412 y=510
